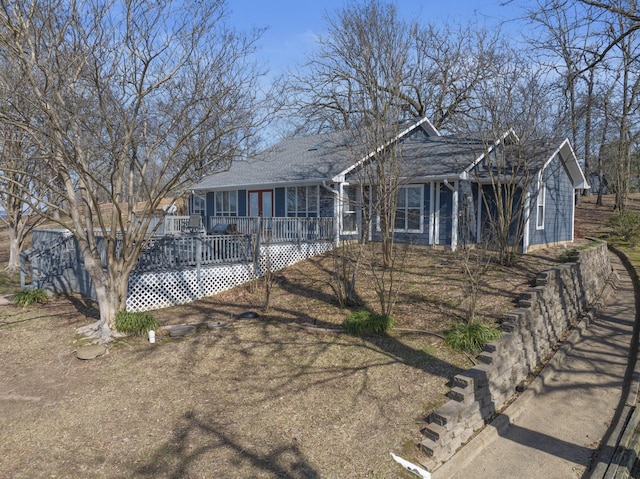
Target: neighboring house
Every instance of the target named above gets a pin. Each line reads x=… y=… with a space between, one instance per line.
x=439 y=193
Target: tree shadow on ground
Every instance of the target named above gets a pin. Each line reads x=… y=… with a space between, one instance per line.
x=196 y=440
x=83 y=305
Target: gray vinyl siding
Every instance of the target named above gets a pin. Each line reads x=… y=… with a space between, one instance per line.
x=446 y=215
x=428 y=218
x=559 y=206
x=490 y=216
x=210 y=206
x=280 y=202
x=326 y=202
x=467 y=228
x=242 y=202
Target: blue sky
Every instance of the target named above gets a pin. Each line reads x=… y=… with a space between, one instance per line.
x=292 y=26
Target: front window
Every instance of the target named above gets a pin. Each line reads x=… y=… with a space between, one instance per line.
x=226 y=203
x=409 y=209
x=197 y=205
x=349 y=224
x=303 y=201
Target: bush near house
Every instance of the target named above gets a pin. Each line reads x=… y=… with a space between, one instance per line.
x=366 y=322
x=625 y=224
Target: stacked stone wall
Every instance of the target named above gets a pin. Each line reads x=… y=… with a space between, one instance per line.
x=546 y=312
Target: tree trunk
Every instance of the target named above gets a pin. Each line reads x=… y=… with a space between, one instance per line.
x=14 y=251
x=111 y=293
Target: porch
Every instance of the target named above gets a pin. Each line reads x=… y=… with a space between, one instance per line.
x=179 y=266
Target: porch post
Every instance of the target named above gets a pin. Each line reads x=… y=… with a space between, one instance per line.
x=432 y=212
x=338 y=198
x=256 y=252
x=455 y=213
x=525 y=233
x=436 y=217
x=479 y=238
x=199 y=264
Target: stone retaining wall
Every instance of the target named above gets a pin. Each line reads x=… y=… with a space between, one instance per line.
x=545 y=313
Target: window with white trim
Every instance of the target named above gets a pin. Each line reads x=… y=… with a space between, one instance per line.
x=303 y=201
x=540 y=203
x=409 y=209
x=349 y=209
x=197 y=204
x=226 y=203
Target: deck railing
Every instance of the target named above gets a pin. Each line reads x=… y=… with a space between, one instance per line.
x=170 y=252
x=280 y=230
x=175 y=269
x=274 y=230
x=55 y=253
x=169 y=225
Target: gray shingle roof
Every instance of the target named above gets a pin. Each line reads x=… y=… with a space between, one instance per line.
x=321 y=157
x=310 y=158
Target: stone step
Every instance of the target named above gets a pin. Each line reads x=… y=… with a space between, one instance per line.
x=182 y=330
x=434 y=432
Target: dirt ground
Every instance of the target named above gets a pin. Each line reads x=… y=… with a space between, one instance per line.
x=260 y=398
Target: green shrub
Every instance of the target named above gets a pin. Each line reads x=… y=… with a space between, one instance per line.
x=625 y=224
x=137 y=324
x=470 y=337
x=366 y=322
x=27 y=297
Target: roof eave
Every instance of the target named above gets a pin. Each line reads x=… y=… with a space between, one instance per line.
x=423 y=123
x=262 y=186
x=565 y=150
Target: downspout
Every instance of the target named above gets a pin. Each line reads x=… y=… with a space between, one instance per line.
x=454 y=214
x=337 y=208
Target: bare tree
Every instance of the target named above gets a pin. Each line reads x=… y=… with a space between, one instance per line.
x=129 y=103
x=629 y=126
x=619 y=34
x=449 y=64
x=628 y=15
x=474 y=263
x=438 y=69
x=19 y=195
x=355 y=82
x=596 y=43
x=514 y=121
x=565 y=44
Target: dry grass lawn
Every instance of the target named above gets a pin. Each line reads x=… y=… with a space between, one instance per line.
x=257 y=399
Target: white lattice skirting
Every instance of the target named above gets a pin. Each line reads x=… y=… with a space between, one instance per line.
x=283 y=255
x=155 y=290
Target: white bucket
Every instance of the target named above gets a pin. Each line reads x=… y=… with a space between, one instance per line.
x=152 y=336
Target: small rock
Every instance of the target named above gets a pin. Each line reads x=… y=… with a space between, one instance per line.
x=217 y=324
x=249 y=315
x=182 y=330
x=90 y=352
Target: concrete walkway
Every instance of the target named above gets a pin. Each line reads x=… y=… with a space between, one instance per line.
x=554 y=429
